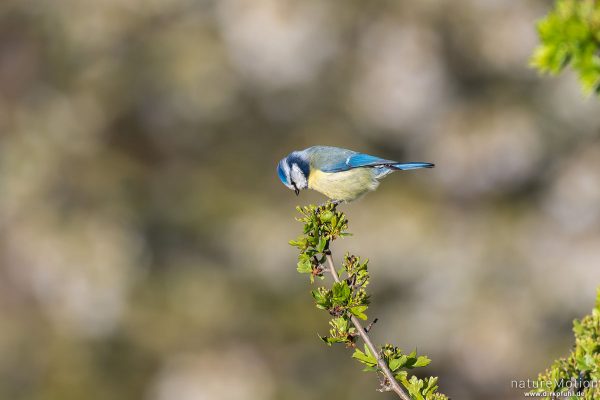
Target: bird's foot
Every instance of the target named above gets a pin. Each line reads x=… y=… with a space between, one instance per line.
x=335 y=203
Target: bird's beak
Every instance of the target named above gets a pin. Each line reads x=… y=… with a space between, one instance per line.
x=297 y=191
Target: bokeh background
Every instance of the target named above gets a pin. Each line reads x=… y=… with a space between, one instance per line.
x=143 y=230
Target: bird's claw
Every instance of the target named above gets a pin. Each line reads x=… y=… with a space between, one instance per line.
x=335 y=203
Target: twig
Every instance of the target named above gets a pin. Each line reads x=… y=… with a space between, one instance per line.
x=392 y=384
x=368 y=327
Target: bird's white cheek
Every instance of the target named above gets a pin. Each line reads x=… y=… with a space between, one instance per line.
x=298 y=177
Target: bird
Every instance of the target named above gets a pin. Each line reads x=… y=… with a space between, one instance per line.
x=342 y=175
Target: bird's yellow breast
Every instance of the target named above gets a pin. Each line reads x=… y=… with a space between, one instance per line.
x=346 y=185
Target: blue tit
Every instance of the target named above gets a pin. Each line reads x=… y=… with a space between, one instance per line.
x=340 y=174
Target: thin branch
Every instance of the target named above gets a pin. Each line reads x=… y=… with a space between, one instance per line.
x=392 y=383
x=368 y=327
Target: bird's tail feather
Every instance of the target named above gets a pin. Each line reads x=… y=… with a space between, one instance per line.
x=411 y=165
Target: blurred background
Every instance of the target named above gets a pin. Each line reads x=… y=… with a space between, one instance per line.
x=143 y=229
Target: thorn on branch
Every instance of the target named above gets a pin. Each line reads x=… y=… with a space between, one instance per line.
x=368 y=328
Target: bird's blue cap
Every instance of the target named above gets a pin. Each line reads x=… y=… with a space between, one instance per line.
x=281 y=168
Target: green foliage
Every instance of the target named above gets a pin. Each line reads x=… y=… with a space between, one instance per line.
x=321 y=226
x=348 y=298
x=570 y=35
x=580 y=371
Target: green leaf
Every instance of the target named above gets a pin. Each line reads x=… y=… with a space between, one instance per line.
x=330 y=340
x=569 y=35
x=304 y=265
x=359 y=311
x=422 y=361
x=322 y=298
x=364 y=358
x=397 y=363
x=414 y=386
x=431 y=385
x=322 y=244
x=341 y=324
x=341 y=293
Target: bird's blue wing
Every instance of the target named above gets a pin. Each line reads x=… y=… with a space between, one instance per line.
x=356 y=160
x=360 y=160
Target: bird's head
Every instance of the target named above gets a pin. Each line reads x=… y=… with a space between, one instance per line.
x=293 y=171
